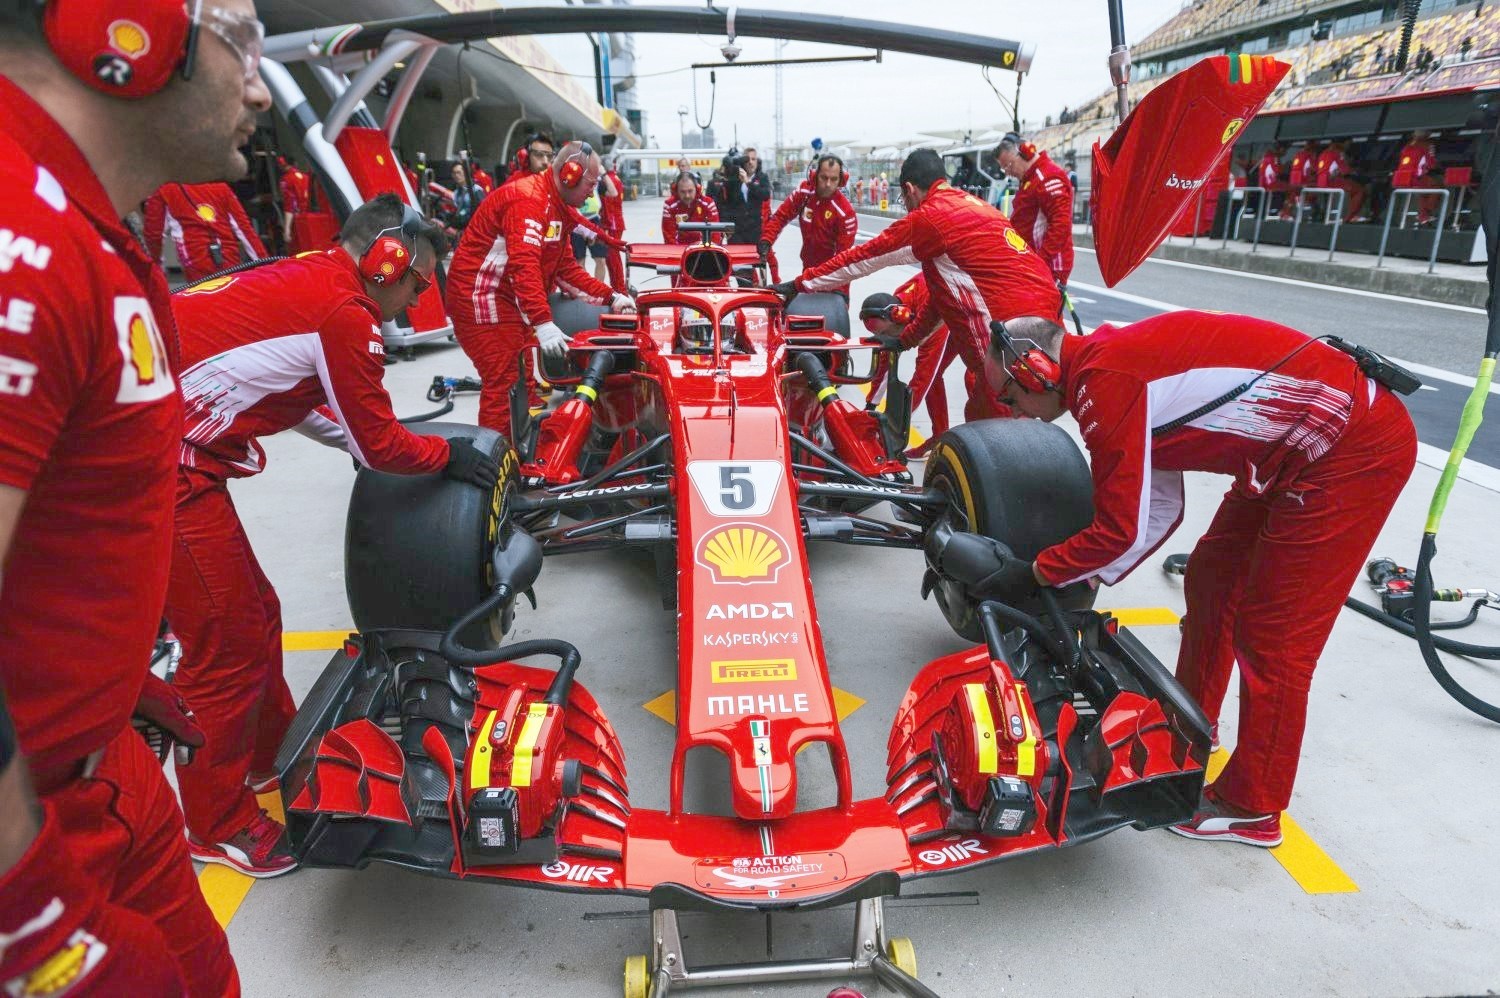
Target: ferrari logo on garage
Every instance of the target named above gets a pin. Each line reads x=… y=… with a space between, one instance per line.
x=741 y=554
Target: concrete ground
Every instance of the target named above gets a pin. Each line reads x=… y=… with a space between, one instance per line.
x=1389 y=890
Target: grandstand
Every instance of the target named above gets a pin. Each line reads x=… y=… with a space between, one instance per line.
x=1343 y=83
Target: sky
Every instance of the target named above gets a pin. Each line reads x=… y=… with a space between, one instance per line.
x=899 y=97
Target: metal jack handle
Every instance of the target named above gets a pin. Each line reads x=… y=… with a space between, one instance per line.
x=670 y=972
x=1119 y=57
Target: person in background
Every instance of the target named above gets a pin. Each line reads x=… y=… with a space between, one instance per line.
x=612 y=219
x=687 y=204
x=1268 y=174
x=534 y=156
x=1301 y=172
x=1042 y=211
x=467 y=196
x=825 y=216
x=1335 y=170
x=739 y=190
x=1417 y=166
x=207 y=225
x=296 y=191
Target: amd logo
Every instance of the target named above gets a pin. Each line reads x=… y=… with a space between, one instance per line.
x=750 y=611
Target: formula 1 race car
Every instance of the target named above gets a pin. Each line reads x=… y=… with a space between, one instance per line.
x=707 y=429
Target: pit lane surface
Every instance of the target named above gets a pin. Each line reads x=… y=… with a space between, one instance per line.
x=1395 y=785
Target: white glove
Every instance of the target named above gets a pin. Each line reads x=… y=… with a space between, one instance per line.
x=621 y=304
x=553 y=340
x=589 y=235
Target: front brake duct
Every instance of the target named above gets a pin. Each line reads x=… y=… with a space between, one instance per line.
x=1155 y=163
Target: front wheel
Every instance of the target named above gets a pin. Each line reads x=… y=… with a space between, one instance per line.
x=1022 y=482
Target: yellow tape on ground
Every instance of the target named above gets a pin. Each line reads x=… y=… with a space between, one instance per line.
x=224 y=889
x=313 y=640
x=1145 y=616
x=1312 y=868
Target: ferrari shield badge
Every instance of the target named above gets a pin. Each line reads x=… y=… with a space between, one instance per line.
x=1152 y=167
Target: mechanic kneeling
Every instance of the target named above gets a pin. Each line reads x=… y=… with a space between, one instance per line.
x=1319 y=452
x=263 y=351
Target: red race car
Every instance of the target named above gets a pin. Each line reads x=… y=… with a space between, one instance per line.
x=707 y=429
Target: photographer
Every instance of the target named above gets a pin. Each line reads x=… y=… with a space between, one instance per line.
x=739 y=188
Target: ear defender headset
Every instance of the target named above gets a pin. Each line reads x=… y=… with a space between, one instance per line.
x=1025 y=149
x=571 y=171
x=1032 y=369
x=890 y=311
x=388 y=257
x=122 y=49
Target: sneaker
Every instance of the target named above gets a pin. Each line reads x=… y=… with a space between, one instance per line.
x=256 y=850
x=263 y=783
x=1215 y=821
x=920 y=452
x=1213 y=738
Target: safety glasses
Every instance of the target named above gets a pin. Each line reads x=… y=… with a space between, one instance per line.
x=243 y=33
x=419 y=283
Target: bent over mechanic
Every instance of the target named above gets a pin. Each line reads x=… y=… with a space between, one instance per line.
x=514 y=249
x=263 y=351
x=977 y=267
x=1319 y=453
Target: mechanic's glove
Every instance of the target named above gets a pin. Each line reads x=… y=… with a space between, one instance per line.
x=553 y=340
x=787 y=290
x=889 y=341
x=589 y=235
x=467 y=463
x=621 y=304
x=763 y=249
x=159 y=707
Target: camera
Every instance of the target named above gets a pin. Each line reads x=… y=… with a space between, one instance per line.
x=734 y=163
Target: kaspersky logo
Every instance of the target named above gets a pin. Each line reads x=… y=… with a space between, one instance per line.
x=742 y=554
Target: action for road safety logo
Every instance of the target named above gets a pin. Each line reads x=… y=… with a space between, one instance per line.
x=742 y=554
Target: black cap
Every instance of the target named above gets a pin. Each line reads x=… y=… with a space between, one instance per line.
x=876 y=304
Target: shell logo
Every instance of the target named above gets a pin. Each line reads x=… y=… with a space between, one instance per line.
x=388 y=268
x=742 y=554
x=379 y=159
x=142 y=354
x=129 y=38
x=59 y=971
x=206 y=212
x=208 y=287
x=1231 y=130
x=1405 y=160
x=1014 y=240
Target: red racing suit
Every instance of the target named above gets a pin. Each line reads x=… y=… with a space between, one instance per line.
x=1318 y=454
x=1333 y=171
x=91 y=413
x=1301 y=172
x=674 y=213
x=206 y=223
x=1415 y=168
x=296 y=191
x=1042 y=212
x=513 y=250
x=978 y=268
x=251 y=370
x=612 y=219
x=828 y=225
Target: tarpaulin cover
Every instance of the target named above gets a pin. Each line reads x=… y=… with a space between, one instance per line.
x=1154 y=164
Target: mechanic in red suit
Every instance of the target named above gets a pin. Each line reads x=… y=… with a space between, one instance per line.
x=825 y=216
x=534 y=156
x=688 y=203
x=514 y=250
x=977 y=267
x=484 y=180
x=612 y=219
x=1042 y=211
x=206 y=223
x=934 y=353
x=1318 y=453
x=97 y=893
x=296 y=197
x=1415 y=167
x=1335 y=170
x=1302 y=172
x=1268 y=172
x=251 y=370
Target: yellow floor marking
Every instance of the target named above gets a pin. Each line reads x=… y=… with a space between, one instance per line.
x=223 y=889
x=272 y=803
x=1312 y=868
x=665 y=706
x=1145 y=616
x=913 y=438
x=313 y=640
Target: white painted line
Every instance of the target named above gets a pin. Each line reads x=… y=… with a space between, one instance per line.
x=1161 y=306
x=1470 y=471
x=1306 y=284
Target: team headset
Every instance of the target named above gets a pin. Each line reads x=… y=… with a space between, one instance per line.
x=572 y=169
x=388 y=257
x=123 y=49
x=895 y=311
x=812 y=171
x=1032 y=369
x=1026 y=150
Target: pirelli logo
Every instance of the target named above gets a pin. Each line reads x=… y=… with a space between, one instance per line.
x=755 y=670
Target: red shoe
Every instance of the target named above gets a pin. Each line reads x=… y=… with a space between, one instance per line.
x=920 y=451
x=1215 y=821
x=256 y=850
x=263 y=783
x=1213 y=737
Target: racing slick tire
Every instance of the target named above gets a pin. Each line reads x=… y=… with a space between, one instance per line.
x=417 y=547
x=834 y=310
x=572 y=316
x=1022 y=482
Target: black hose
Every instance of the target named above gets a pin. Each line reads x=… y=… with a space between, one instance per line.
x=457 y=654
x=1396 y=623
x=237 y=268
x=442 y=410
x=989 y=609
x=1429 y=643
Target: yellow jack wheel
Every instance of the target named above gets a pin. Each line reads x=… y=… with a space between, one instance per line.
x=898 y=949
x=638 y=976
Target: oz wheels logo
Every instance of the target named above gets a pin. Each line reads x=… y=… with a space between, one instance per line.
x=577 y=873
